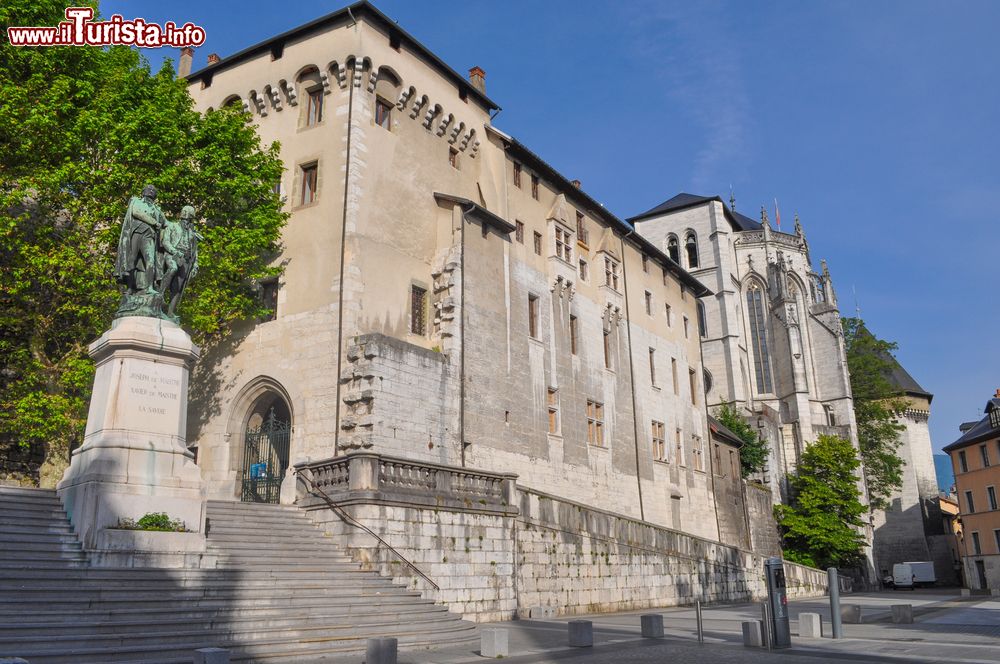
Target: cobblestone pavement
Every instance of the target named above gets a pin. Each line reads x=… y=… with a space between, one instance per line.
x=947 y=628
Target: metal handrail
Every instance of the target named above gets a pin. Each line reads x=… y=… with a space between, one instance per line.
x=315 y=490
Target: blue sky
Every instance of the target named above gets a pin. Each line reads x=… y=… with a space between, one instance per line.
x=875 y=121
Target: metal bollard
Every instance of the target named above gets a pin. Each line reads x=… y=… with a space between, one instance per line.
x=833 y=582
x=701 y=624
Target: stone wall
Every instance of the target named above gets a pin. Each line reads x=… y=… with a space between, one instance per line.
x=492 y=550
x=764 y=538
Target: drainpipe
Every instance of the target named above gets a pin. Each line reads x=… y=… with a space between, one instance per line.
x=343 y=256
x=461 y=356
x=631 y=370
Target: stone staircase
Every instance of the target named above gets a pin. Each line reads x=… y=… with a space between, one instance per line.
x=282 y=592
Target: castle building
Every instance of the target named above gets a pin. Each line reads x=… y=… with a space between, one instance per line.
x=771 y=335
x=450 y=298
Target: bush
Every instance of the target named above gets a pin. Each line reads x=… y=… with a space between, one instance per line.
x=156 y=521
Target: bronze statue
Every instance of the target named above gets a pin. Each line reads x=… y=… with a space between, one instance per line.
x=154 y=255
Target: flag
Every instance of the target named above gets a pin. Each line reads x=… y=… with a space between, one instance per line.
x=777 y=214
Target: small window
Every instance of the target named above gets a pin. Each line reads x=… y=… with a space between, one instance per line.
x=383 y=113
x=670 y=315
x=314 y=109
x=418 y=310
x=652 y=366
x=595 y=423
x=534 y=187
x=563 y=245
x=553 y=407
x=995 y=418
x=269 y=299
x=611 y=273
x=673 y=375
x=702 y=320
x=718 y=460
x=538 y=243
x=649 y=303
x=584 y=272
x=453 y=157
x=519 y=231
x=831 y=419
x=533 y=316
x=969 y=502
x=659 y=444
x=573 y=334
x=645 y=263
x=581 y=229
x=607 y=349
x=394 y=41
x=666 y=279
x=687 y=325
x=696 y=453
x=963 y=463
x=996 y=539
x=976 y=546
x=679 y=446
x=310 y=179
x=991 y=497
x=693 y=380
x=517 y=175
x=985 y=455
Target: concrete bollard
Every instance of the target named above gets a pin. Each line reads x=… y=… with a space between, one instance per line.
x=850 y=614
x=541 y=612
x=752 y=634
x=381 y=651
x=493 y=642
x=210 y=656
x=652 y=625
x=810 y=626
x=966 y=592
x=995 y=592
x=902 y=614
x=581 y=634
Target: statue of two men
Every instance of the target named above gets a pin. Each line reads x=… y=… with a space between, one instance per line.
x=155 y=255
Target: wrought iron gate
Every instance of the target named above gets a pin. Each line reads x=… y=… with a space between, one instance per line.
x=265 y=458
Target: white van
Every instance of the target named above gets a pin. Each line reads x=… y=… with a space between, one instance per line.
x=902 y=576
x=913 y=574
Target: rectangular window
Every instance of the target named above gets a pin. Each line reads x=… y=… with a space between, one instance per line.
x=963 y=463
x=679 y=447
x=519 y=231
x=996 y=540
x=985 y=454
x=517 y=175
x=533 y=316
x=659 y=444
x=991 y=497
x=534 y=187
x=453 y=157
x=584 y=273
x=607 y=349
x=610 y=273
x=538 y=243
x=670 y=315
x=645 y=263
x=309 y=181
x=718 y=461
x=553 y=406
x=969 y=502
x=649 y=303
x=418 y=310
x=666 y=281
x=595 y=423
x=693 y=379
x=563 y=248
x=581 y=229
x=687 y=324
x=383 y=113
x=977 y=549
x=572 y=334
x=673 y=371
x=696 y=453
x=652 y=366
x=314 y=107
x=269 y=298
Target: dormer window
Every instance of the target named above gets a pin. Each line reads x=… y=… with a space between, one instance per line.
x=995 y=418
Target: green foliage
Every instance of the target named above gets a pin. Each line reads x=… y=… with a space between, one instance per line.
x=158 y=521
x=753 y=454
x=876 y=400
x=820 y=526
x=82 y=130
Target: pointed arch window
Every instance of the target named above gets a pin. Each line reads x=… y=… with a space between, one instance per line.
x=674 y=249
x=702 y=320
x=758 y=338
x=691 y=247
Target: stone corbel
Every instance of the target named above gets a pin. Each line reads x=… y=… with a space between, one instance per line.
x=443 y=127
x=417 y=106
x=372 y=80
x=272 y=92
x=293 y=96
x=358 y=72
x=404 y=97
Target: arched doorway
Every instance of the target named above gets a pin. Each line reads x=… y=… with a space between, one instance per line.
x=265 y=449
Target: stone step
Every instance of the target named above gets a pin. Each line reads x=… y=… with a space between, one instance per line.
x=46 y=538
x=24 y=545
x=14 y=556
x=70 y=584
x=273 y=649
x=137 y=574
x=31 y=511
x=11 y=493
x=39 y=528
x=363 y=585
x=253 y=535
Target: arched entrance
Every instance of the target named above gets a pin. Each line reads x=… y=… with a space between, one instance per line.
x=265 y=449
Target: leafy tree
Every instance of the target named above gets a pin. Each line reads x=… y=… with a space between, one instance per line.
x=81 y=130
x=753 y=454
x=876 y=402
x=821 y=525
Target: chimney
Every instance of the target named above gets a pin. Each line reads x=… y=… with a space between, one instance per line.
x=213 y=58
x=184 y=66
x=478 y=79
x=575 y=183
x=997 y=395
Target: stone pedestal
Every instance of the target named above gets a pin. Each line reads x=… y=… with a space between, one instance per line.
x=134 y=459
